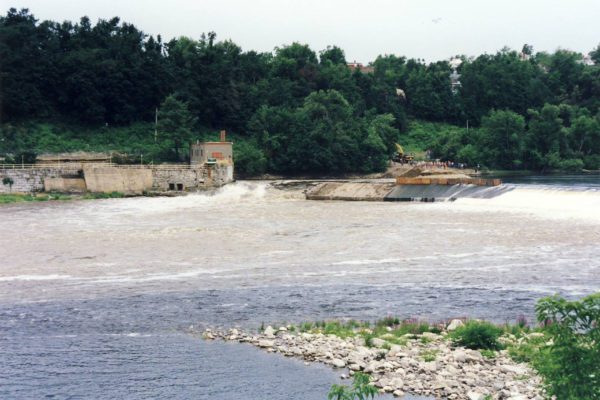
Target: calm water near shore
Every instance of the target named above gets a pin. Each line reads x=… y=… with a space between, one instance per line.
x=97 y=297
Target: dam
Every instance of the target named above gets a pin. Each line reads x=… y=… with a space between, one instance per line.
x=407 y=189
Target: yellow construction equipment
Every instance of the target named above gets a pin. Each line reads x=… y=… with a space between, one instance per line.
x=401 y=157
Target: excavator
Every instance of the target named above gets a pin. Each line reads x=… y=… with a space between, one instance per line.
x=401 y=157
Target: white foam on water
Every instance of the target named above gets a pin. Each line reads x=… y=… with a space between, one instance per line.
x=34 y=277
x=539 y=202
x=229 y=194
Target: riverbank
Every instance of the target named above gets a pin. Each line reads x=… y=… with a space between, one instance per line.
x=408 y=358
x=10 y=198
x=37 y=197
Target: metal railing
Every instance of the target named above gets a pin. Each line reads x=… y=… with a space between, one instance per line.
x=81 y=165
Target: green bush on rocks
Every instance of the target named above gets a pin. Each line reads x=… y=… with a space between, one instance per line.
x=478 y=335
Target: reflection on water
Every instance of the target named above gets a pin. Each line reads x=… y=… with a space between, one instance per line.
x=96 y=297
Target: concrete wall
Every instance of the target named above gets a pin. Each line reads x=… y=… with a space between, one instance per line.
x=109 y=179
x=221 y=174
x=189 y=178
x=30 y=180
x=65 y=185
x=113 y=179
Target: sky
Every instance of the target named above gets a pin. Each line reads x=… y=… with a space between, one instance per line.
x=426 y=29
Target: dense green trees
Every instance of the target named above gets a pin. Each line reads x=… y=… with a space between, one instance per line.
x=293 y=110
x=175 y=123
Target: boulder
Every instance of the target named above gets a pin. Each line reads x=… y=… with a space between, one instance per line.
x=377 y=342
x=264 y=343
x=475 y=396
x=455 y=323
x=459 y=356
x=336 y=362
x=269 y=331
x=431 y=336
x=515 y=369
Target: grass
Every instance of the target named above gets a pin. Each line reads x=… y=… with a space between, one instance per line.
x=489 y=354
x=37 y=197
x=429 y=355
x=393 y=330
x=528 y=350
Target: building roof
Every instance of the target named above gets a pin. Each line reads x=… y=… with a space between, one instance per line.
x=358 y=66
x=75 y=156
x=204 y=143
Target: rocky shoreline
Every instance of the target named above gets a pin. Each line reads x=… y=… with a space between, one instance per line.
x=427 y=364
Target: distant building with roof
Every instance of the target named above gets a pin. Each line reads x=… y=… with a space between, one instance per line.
x=220 y=152
x=454 y=75
x=353 y=66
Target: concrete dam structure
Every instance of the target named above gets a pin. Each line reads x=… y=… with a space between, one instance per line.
x=408 y=189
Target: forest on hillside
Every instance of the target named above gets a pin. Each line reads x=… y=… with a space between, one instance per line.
x=83 y=86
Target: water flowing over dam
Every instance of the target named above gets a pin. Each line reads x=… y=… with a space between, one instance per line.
x=97 y=297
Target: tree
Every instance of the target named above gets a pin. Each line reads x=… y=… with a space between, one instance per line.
x=175 y=123
x=503 y=138
x=595 y=54
x=332 y=54
x=7 y=180
x=569 y=364
x=546 y=134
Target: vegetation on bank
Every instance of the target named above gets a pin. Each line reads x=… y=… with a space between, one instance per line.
x=79 y=86
x=360 y=389
x=564 y=348
x=20 y=197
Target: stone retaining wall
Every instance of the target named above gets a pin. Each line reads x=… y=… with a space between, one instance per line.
x=113 y=179
x=168 y=179
x=31 y=180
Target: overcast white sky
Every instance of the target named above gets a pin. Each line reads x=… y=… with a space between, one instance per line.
x=415 y=28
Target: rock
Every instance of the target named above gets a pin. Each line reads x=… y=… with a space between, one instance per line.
x=354 y=367
x=395 y=349
x=455 y=323
x=264 y=343
x=378 y=342
x=398 y=393
x=336 y=362
x=459 y=355
x=515 y=369
x=429 y=366
x=518 y=397
x=475 y=396
x=431 y=336
x=282 y=329
x=439 y=385
x=473 y=356
x=396 y=383
x=269 y=331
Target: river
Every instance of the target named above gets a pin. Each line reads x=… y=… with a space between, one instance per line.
x=97 y=297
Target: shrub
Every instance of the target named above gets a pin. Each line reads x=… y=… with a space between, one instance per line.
x=570 y=365
x=478 y=335
x=360 y=389
x=8 y=181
